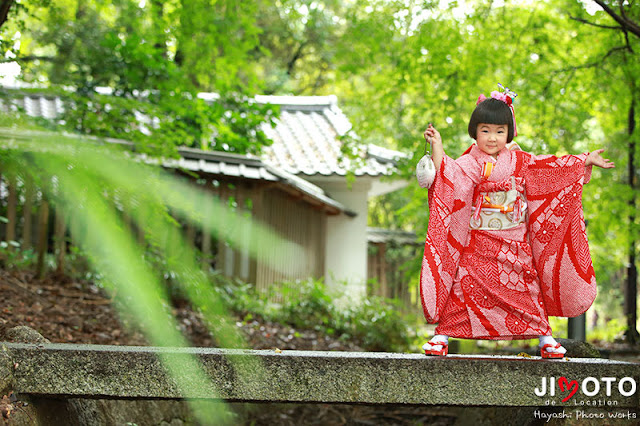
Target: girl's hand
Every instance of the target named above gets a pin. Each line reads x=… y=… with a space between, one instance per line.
x=595 y=159
x=432 y=136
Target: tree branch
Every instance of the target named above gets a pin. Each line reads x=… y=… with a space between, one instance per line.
x=584 y=21
x=595 y=63
x=295 y=58
x=29 y=58
x=624 y=22
x=622 y=12
x=5 y=6
x=626 y=39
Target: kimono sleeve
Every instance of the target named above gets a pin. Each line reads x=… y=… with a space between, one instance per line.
x=450 y=198
x=557 y=232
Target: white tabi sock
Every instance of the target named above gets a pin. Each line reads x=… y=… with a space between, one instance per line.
x=437 y=338
x=549 y=340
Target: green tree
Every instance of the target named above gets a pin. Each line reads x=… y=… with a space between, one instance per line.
x=13 y=15
x=396 y=66
x=617 y=29
x=298 y=41
x=154 y=57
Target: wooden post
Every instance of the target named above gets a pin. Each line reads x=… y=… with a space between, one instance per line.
x=257 y=215
x=577 y=329
x=43 y=230
x=60 y=239
x=406 y=294
x=240 y=252
x=631 y=285
x=221 y=258
x=206 y=231
x=190 y=233
x=12 y=207
x=385 y=291
x=29 y=191
x=374 y=268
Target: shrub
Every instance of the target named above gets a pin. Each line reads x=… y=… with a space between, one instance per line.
x=375 y=324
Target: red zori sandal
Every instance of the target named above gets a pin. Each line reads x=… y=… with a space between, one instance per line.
x=442 y=352
x=544 y=353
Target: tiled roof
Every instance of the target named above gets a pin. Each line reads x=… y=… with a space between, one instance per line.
x=380 y=235
x=306 y=143
x=35 y=105
x=306 y=139
x=196 y=160
x=248 y=167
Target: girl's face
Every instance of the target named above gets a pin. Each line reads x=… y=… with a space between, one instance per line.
x=491 y=138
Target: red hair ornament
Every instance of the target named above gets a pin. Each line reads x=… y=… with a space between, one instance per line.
x=505 y=95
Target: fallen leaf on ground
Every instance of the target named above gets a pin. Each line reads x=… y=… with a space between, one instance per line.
x=6 y=407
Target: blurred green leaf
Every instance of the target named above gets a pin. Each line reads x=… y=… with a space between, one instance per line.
x=92 y=182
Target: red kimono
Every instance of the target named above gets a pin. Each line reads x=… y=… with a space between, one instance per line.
x=506 y=245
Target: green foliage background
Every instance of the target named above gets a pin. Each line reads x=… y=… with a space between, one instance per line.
x=395 y=65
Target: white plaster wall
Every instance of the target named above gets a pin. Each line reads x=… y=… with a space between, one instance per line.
x=346 y=240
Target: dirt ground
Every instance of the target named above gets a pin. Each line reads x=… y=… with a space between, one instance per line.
x=68 y=311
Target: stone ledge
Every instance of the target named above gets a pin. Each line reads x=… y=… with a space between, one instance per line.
x=123 y=372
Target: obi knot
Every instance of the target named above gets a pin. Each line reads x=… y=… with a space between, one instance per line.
x=506 y=197
x=502 y=186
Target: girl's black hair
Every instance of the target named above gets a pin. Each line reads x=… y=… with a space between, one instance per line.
x=491 y=111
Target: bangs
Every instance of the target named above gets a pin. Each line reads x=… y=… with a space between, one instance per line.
x=491 y=111
x=494 y=116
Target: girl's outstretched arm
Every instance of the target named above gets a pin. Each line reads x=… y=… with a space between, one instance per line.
x=437 y=151
x=595 y=159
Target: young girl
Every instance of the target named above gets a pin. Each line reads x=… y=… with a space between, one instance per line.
x=506 y=244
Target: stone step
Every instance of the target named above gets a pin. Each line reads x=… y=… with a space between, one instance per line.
x=124 y=372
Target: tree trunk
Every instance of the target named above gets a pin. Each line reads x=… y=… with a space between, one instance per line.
x=81 y=10
x=631 y=287
x=157 y=17
x=5 y=6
